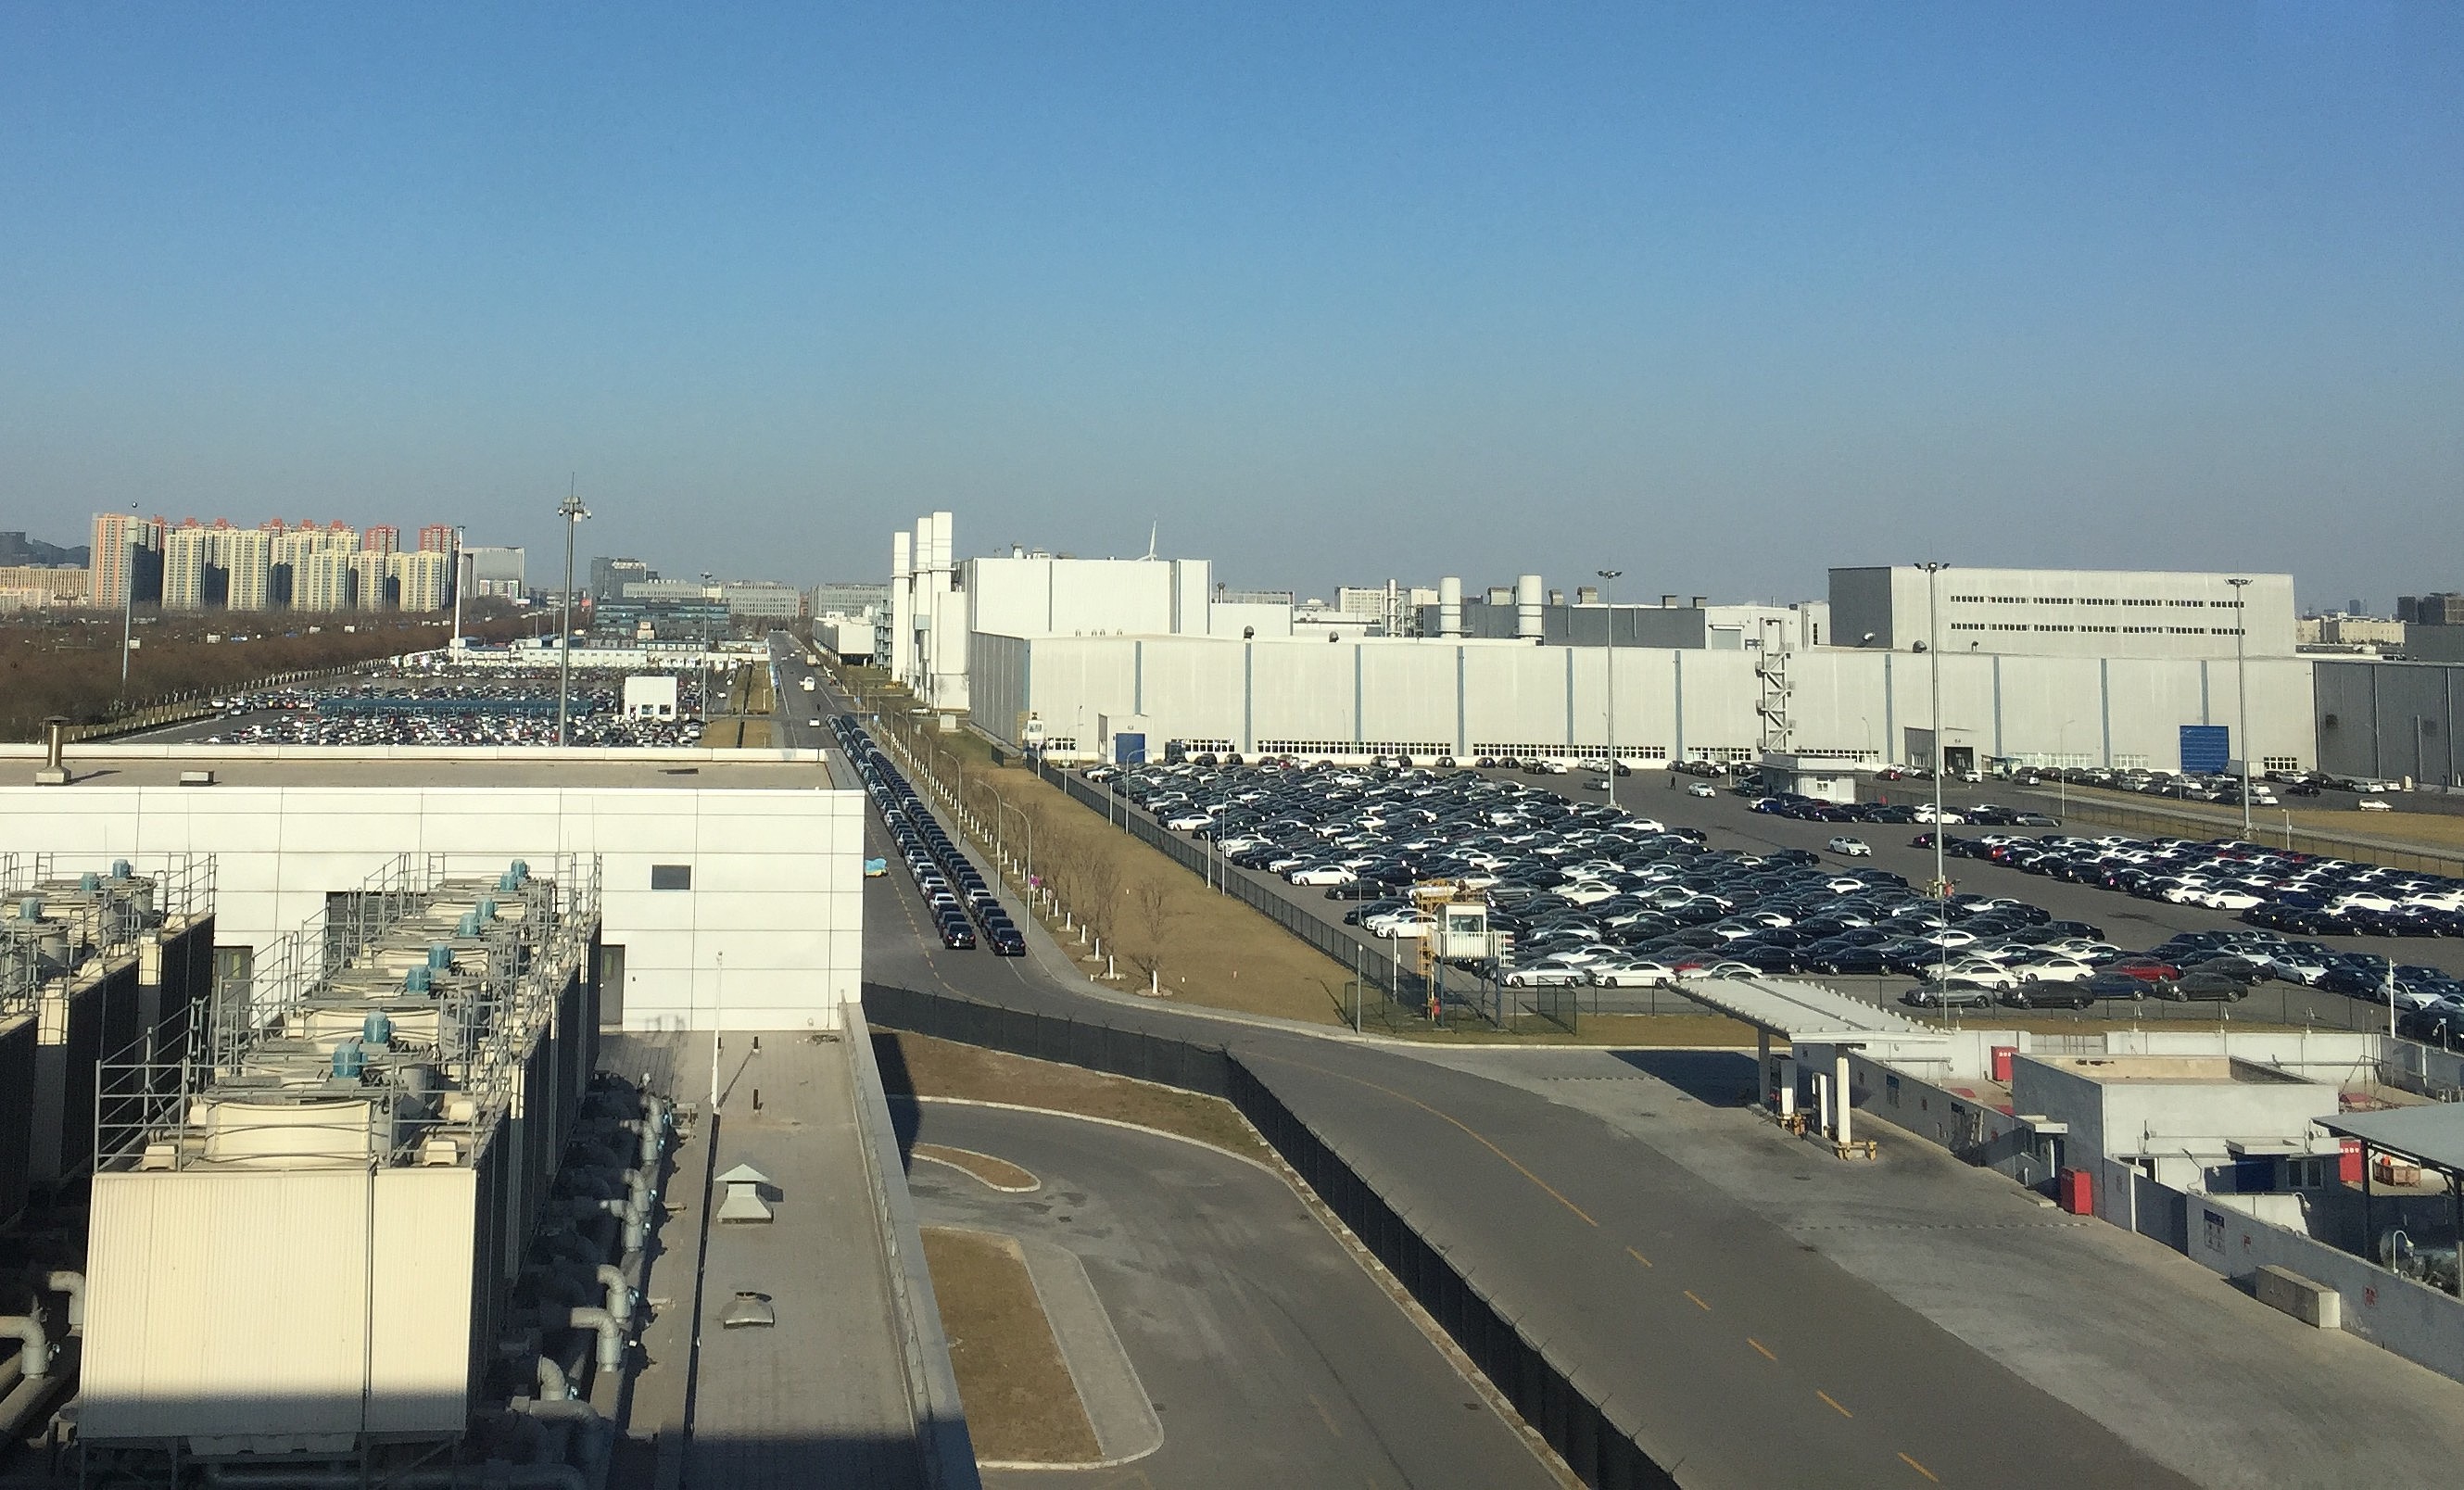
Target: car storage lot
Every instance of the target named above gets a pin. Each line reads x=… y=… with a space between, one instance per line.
x=2135 y=924
x=1728 y=820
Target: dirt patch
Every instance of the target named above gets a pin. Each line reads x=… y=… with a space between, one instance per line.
x=1022 y=1405
x=918 y=1065
x=999 y=1173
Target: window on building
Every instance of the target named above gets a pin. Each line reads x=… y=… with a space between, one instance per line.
x=672 y=876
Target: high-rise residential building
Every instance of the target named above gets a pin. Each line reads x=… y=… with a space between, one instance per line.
x=437 y=538
x=321 y=579
x=372 y=580
x=127 y=548
x=421 y=580
x=188 y=554
x=248 y=564
x=381 y=540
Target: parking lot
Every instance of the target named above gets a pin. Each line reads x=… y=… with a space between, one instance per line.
x=1688 y=878
x=428 y=707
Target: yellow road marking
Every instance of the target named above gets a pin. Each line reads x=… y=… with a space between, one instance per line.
x=1470 y=1132
x=1833 y=1401
x=1698 y=1298
x=1638 y=1256
x=1921 y=1470
x=1764 y=1349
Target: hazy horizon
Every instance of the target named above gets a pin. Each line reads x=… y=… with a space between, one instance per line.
x=1721 y=298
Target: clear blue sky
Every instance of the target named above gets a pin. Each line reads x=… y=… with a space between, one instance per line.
x=1716 y=295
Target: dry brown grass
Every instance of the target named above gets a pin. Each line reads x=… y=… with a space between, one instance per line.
x=1022 y=1405
x=1200 y=946
x=918 y=1065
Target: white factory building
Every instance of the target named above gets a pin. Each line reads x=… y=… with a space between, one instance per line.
x=2065 y=612
x=1090 y=658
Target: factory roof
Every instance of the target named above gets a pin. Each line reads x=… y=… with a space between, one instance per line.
x=681 y=769
x=2432 y=1133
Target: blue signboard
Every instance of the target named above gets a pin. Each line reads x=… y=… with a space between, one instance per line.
x=2206 y=748
x=1128 y=750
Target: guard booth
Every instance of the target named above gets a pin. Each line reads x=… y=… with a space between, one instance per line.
x=1458 y=933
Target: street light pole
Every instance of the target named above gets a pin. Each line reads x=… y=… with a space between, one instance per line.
x=1608 y=610
x=1941 y=874
x=2241 y=685
x=128 y=599
x=573 y=512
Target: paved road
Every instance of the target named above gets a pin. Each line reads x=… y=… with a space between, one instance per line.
x=1752 y=1361
x=1273 y=1359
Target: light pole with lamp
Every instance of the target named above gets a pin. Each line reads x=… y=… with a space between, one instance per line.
x=573 y=512
x=1608 y=610
x=1941 y=874
x=128 y=599
x=2241 y=686
x=454 y=648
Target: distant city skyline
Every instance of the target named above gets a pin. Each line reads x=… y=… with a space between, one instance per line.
x=1717 y=297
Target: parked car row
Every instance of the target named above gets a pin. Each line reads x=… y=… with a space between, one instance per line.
x=1598 y=895
x=953 y=889
x=1810 y=809
x=2276 y=889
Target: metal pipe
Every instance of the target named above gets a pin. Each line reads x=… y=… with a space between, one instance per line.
x=34 y=1348
x=550 y=1377
x=611 y=1335
x=71 y=1283
x=620 y=1293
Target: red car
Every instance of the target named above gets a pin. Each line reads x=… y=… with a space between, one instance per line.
x=2147 y=970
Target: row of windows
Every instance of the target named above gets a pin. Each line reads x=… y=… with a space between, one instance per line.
x=2088 y=600
x=2013 y=625
x=1335 y=747
x=1571 y=751
x=2280 y=763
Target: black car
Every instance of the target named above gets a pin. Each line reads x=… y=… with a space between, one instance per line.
x=1007 y=941
x=2039 y=994
x=2201 y=988
x=956 y=935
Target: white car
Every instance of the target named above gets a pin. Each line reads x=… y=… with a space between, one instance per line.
x=1851 y=847
x=2054 y=970
x=1632 y=973
x=2372 y=805
x=1981 y=972
x=1545 y=977
x=1322 y=874
x=1701 y=789
x=1183 y=821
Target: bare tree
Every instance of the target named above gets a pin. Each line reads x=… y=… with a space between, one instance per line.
x=1155 y=905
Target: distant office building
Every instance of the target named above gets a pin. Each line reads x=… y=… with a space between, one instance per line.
x=127 y=560
x=2439 y=608
x=763 y=600
x=2064 y=612
x=2349 y=631
x=381 y=540
x=44 y=587
x=850 y=598
x=495 y=573
x=608 y=576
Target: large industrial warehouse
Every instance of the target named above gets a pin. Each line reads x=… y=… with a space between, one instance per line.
x=1073 y=656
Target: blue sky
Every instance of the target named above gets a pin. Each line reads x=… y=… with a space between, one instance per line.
x=1719 y=296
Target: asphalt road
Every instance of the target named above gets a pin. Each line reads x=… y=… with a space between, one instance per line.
x=1751 y=1359
x=1273 y=1359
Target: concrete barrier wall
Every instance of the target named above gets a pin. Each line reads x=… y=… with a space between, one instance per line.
x=1603 y=1442
x=1976 y=1132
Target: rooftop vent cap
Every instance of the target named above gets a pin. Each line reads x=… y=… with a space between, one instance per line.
x=748 y=1310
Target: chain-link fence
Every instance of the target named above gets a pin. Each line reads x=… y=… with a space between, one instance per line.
x=1388 y=990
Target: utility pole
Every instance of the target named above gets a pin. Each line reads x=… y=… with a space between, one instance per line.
x=2242 y=684
x=572 y=512
x=1608 y=609
x=454 y=648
